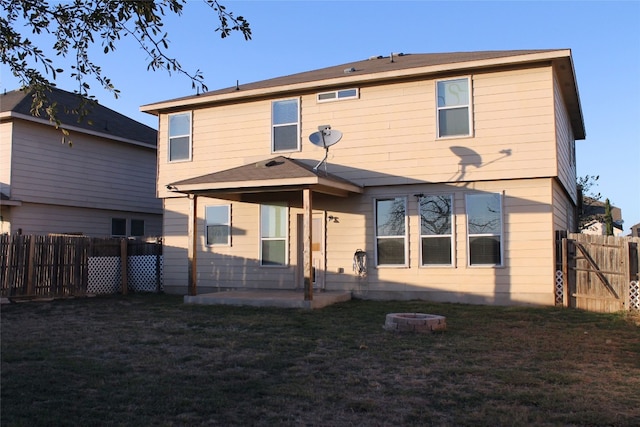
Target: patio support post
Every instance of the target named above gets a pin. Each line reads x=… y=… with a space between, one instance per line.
x=306 y=237
x=192 y=245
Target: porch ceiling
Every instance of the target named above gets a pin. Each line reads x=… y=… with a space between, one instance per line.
x=259 y=180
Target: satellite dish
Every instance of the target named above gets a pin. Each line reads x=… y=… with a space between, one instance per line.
x=325 y=138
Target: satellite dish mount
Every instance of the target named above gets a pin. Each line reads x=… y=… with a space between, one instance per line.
x=325 y=138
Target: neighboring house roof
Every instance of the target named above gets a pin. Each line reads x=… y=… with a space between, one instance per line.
x=395 y=67
x=100 y=119
x=595 y=208
x=635 y=230
x=278 y=172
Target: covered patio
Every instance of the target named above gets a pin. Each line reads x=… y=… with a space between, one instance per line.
x=278 y=179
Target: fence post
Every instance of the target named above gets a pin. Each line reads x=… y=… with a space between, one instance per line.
x=192 y=248
x=8 y=264
x=31 y=264
x=626 y=285
x=123 y=266
x=565 y=272
x=157 y=251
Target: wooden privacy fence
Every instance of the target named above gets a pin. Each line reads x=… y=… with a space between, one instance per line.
x=63 y=266
x=597 y=273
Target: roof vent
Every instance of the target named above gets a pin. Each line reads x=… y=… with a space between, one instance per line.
x=395 y=54
x=349 y=70
x=269 y=163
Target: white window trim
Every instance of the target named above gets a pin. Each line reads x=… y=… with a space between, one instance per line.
x=469 y=235
x=376 y=237
x=228 y=224
x=286 y=239
x=469 y=105
x=337 y=95
x=190 y=135
x=451 y=236
x=297 y=123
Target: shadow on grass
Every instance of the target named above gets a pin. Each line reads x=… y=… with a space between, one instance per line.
x=149 y=359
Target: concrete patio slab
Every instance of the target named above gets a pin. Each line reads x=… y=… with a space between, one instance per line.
x=269 y=298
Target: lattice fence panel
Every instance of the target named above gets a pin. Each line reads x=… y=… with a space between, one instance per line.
x=104 y=275
x=142 y=273
x=559 y=287
x=634 y=295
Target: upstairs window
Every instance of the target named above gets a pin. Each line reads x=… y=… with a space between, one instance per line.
x=484 y=225
x=337 y=95
x=285 y=123
x=179 y=137
x=436 y=237
x=218 y=225
x=391 y=232
x=454 y=108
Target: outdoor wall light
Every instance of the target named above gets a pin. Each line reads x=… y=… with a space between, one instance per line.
x=332 y=218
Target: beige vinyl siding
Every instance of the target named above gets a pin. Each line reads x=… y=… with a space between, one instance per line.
x=222 y=138
x=565 y=144
x=391 y=140
x=390 y=147
x=525 y=277
x=174 y=245
x=527 y=273
x=5 y=157
x=221 y=267
x=40 y=219
x=389 y=134
x=563 y=210
x=92 y=173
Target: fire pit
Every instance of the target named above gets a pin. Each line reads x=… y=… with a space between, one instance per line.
x=415 y=322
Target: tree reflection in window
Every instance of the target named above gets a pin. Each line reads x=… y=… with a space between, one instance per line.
x=484 y=225
x=391 y=231
x=435 y=229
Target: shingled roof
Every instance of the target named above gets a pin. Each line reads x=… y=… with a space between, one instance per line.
x=389 y=68
x=280 y=172
x=373 y=65
x=99 y=119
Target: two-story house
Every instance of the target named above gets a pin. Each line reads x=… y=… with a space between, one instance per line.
x=99 y=180
x=451 y=176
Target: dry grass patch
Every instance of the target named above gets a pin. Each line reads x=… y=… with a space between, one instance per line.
x=151 y=360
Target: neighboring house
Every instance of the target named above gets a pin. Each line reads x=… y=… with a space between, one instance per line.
x=99 y=182
x=594 y=213
x=452 y=175
x=635 y=230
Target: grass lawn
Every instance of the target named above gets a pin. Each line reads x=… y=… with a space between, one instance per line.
x=151 y=360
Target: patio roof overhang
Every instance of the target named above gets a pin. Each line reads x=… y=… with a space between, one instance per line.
x=276 y=179
x=253 y=182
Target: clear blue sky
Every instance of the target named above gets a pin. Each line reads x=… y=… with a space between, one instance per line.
x=296 y=36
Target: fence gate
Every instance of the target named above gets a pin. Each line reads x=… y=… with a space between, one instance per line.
x=600 y=273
